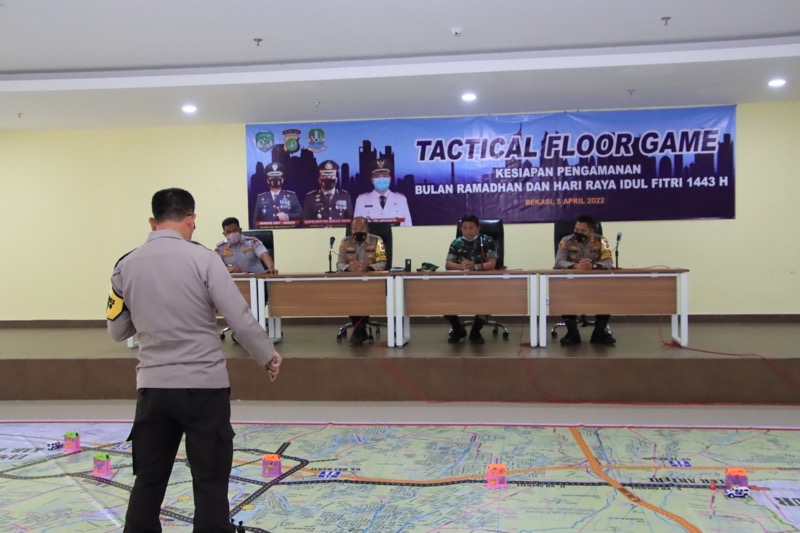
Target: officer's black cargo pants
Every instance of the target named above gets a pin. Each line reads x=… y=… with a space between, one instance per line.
x=163 y=416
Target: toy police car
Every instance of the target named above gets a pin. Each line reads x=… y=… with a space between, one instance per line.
x=737 y=492
x=55 y=445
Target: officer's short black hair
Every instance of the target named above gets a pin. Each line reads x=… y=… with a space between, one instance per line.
x=471 y=218
x=365 y=220
x=172 y=204
x=230 y=220
x=586 y=219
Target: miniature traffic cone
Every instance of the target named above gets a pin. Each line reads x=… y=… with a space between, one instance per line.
x=713 y=485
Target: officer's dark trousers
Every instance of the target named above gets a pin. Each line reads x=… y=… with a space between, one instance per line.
x=163 y=416
x=600 y=322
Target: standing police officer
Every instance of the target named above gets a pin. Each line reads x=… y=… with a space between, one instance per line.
x=277 y=204
x=168 y=291
x=585 y=250
x=328 y=202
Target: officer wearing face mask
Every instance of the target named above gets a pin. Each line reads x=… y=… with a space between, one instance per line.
x=241 y=253
x=361 y=252
x=382 y=203
x=585 y=250
x=276 y=205
x=327 y=202
x=473 y=251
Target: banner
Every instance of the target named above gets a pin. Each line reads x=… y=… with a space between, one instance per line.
x=612 y=165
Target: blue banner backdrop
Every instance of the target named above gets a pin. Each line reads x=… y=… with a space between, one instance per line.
x=614 y=165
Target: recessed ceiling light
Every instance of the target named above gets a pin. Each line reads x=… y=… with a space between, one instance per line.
x=777 y=82
x=189 y=109
x=469 y=97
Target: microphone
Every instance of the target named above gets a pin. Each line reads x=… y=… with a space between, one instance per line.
x=616 y=250
x=330 y=257
x=619 y=236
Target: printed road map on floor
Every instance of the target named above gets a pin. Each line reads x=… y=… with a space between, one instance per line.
x=423 y=478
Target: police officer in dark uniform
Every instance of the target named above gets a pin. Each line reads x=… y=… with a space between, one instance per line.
x=168 y=292
x=361 y=252
x=585 y=250
x=277 y=204
x=473 y=251
x=328 y=202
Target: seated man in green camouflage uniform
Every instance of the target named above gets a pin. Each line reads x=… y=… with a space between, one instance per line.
x=473 y=251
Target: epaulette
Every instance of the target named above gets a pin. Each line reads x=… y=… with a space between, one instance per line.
x=288 y=191
x=123 y=257
x=310 y=193
x=344 y=191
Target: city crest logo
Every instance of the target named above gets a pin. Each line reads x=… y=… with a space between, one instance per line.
x=316 y=140
x=291 y=140
x=265 y=140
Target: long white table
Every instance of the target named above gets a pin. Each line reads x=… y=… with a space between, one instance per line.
x=322 y=295
x=534 y=293
x=616 y=292
x=452 y=292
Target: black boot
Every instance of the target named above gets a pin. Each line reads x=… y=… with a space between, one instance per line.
x=601 y=334
x=573 y=336
x=457 y=331
x=475 y=336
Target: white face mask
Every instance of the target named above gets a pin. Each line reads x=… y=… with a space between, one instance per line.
x=234 y=238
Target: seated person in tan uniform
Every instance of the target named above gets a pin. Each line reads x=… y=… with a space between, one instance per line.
x=361 y=252
x=585 y=250
x=241 y=253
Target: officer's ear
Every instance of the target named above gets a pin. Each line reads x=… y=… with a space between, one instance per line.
x=152 y=224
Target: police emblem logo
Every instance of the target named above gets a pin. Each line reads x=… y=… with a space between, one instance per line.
x=265 y=141
x=316 y=140
x=291 y=140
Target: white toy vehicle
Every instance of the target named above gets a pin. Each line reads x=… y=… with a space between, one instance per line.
x=737 y=492
x=55 y=445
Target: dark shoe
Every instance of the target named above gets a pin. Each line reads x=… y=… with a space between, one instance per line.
x=571 y=338
x=456 y=335
x=358 y=337
x=476 y=338
x=603 y=337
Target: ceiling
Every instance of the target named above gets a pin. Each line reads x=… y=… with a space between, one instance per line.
x=134 y=63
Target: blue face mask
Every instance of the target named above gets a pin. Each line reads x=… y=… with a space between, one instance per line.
x=382 y=184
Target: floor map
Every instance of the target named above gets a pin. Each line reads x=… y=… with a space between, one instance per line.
x=421 y=478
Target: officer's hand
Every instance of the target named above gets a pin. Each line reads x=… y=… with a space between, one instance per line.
x=271 y=270
x=282 y=216
x=233 y=269
x=584 y=264
x=273 y=367
x=467 y=265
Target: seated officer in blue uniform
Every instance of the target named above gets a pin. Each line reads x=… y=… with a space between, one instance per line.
x=242 y=253
x=472 y=251
x=585 y=250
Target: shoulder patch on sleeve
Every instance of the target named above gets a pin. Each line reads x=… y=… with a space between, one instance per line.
x=562 y=245
x=115 y=305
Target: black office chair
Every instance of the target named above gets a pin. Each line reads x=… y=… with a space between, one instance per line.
x=266 y=238
x=384 y=231
x=493 y=227
x=562 y=228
